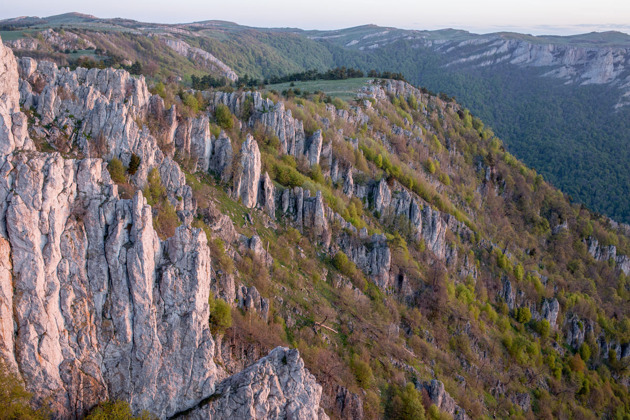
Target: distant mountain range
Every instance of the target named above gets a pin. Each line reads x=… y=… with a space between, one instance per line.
x=560 y=103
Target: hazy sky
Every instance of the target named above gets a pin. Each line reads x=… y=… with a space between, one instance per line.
x=531 y=16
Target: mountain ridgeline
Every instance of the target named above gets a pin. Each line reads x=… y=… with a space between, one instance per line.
x=559 y=103
x=240 y=253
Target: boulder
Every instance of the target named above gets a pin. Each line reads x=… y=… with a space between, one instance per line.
x=278 y=386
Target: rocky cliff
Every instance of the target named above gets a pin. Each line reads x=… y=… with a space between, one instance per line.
x=94 y=304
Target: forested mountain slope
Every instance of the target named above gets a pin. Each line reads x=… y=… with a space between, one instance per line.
x=234 y=253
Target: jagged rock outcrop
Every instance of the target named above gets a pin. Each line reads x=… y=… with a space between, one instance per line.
x=550 y=311
x=193 y=138
x=93 y=305
x=101 y=109
x=13 y=123
x=576 y=331
x=247 y=182
x=607 y=253
x=508 y=294
x=306 y=211
x=59 y=41
x=221 y=159
x=267 y=195
x=443 y=400
x=371 y=255
x=99 y=299
x=249 y=299
x=278 y=386
x=424 y=221
x=290 y=131
x=314 y=147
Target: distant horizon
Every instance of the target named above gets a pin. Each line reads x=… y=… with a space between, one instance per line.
x=536 y=17
x=539 y=31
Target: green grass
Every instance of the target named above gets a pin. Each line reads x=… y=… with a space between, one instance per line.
x=12 y=35
x=344 y=89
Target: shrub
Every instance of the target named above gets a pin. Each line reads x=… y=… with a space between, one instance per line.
x=343 y=264
x=519 y=272
x=523 y=315
x=224 y=117
x=220 y=315
x=362 y=372
x=430 y=166
x=406 y=404
x=15 y=402
x=134 y=164
x=116 y=410
x=576 y=364
x=116 y=171
x=543 y=328
x=585 y=352
x=165 y=218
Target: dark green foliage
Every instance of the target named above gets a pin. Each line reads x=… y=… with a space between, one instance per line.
x=207 y=81
x=134 y=164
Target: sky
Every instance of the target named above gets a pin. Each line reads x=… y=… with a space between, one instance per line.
x=561 y=17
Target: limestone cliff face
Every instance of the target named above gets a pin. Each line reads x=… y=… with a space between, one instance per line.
x=103 y=308
x=93 y=305
x=102 y=112
x=247 y=181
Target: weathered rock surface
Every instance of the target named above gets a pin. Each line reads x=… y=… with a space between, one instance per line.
x=306 y=211
x=607 y=253
x=550 y=311
x=278 y=386
x=443 y=400
x=425 y=222
x=13 y=123
x=247 y=182
x=101 y=109
x=100 y=300
x=93 y=305
x=221 y=158
x=372 y=256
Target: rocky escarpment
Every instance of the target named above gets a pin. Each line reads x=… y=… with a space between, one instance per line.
x=93 y=304
x=101 y=113
x=200 y=56
x=608 y=253
x=276 y=387
x=58 y=41
x=443 y=400
x=290 y=131
x=575 y=64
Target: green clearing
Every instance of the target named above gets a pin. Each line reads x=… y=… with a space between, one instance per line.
x=12 y=35
x=345 y=89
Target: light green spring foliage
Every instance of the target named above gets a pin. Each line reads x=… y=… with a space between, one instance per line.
x=15 y=401
x=220 y=315
x=224 y=117
x=117 y=410
x=116 y=171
